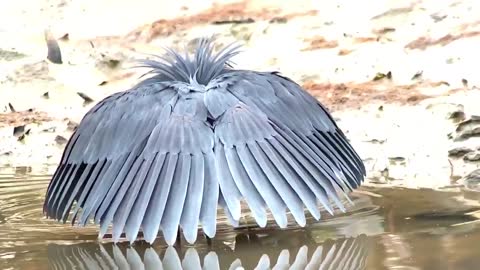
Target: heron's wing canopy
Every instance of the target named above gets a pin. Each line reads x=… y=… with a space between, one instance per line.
x=300 y=132
x=151 y=158
x=140 y=158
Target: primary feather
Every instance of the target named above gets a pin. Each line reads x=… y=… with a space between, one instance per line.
x=195 y=135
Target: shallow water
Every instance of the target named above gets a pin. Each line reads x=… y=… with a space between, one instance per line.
x=384 y=229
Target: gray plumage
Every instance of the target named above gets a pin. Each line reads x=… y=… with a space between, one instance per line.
x=197 y=134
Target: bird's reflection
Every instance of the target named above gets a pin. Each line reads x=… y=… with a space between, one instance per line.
x=249 y=251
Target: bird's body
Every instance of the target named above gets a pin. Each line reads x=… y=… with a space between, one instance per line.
x=195 y=135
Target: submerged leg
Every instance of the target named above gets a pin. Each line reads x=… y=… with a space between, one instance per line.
x=178 y=242
x=209 y=240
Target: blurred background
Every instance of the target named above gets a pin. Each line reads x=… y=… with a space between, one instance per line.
x=400 y=77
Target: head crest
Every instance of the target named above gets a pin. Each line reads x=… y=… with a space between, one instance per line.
x=201 y=67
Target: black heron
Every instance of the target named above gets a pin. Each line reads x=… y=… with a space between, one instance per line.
x=195 y=135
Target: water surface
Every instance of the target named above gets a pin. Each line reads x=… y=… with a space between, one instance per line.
x=385 y=229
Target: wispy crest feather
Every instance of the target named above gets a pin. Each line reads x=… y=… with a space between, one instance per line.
x=203 y=66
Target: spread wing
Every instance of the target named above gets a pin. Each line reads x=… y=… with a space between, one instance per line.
x=140 y=158
x=301 y=115
x=279 y=148
x=156 y=159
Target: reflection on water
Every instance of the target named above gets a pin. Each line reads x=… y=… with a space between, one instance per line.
x=385 y=229
x=339 y=254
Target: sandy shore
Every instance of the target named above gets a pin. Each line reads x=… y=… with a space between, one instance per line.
x=401 y=77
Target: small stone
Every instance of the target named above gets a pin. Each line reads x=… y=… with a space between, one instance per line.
x=65 y=37
x=385 y=173
x=397 y=160
x=22 y=138
x=459 y=151
x=71 y=125
x=380 y=76
x=468 y=128
x=113 y=63
x=8 y=153
x=86 y=99
x=278 y=20
x=473 y=175
x=50 y=129
x=54 y=53
x=235 y=21
x=451 y=110
x=475 y=156
x=12 y=109
x=472 y=180
x=376 y=141
x=417 y=76
x=241 y=32
x=60 y=140
x=457 y=116
x=438 y=17
x=18 y=130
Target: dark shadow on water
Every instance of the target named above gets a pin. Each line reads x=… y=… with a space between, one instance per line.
x=248 y=251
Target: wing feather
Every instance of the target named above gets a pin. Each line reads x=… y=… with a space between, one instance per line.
x=295 y=160
x=280 y=184
x=193 y=202
x=208 y=212
x=125 y=207
x=350 y=171
x=341 y=140
x=221 y=201
x=156 y=206
x=68 y=178
x=115 y=197
x=321 y=184
x=93 y=199
x=66 y=153
x=176 y=199
x=338 y=177
x=228 y=188
x=280 y=164
x=71 y=183
x=75 y=193
x=334 y=152
x=53 y=183
x=101 y=188
x=139 y=208
x=254 y=200
x=56 y=183
x=88 y=185
x=264 y=186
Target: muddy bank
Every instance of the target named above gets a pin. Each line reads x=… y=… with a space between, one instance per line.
x=400 y=77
